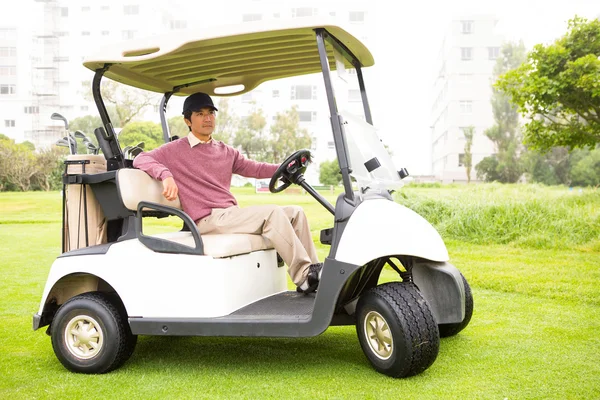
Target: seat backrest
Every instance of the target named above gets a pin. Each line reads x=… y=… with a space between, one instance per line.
x=135 y=185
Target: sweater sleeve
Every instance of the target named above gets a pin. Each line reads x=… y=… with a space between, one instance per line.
x=152 y=163
x=252 y=169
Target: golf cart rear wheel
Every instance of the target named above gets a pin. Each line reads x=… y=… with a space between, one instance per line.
x=447 y=330
x=90 y=335
x=396 y=329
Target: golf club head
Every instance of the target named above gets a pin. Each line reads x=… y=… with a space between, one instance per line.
x=80 y=135
x=135 y=151
x=141 y=145
x=59 y=117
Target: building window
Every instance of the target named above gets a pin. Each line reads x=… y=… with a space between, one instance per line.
x=9 y=123
x=85 y=33
x=466 y=106
x=61 y=59
x=331 y=145
x=8 y=89
x=64 y=11
x=313 y=143
x=357 y=16
x=307 y=116
x=275 y=93
x=8 y=70
x=466 y=27
x=62 y=33
x=8 y=51
x=128 y=34
x=131 y=9
x=276 y=15
x=461 y=160
x=178 y=24
x=493 y=52
x=354 y=95
x=332 y=13
x=466 y=53
x=84 y=108
x=304 y=12
x=104 y=8
x=85 y=8
x=304 y=92
x=104 y=33
x=251 y=17
x=31 y=110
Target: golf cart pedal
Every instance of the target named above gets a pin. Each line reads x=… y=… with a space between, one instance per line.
x=326 y=236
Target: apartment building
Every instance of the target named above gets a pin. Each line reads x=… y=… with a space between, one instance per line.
x=461 y=95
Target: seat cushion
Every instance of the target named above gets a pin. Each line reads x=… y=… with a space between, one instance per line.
x=223 y=245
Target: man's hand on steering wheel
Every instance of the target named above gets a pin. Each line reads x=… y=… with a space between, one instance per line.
x=290 y=170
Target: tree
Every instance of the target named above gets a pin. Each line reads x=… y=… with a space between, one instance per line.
x=123 y=103
x=250 y=135
x=17 y=165
x=505 y=132
x=558 y=89
x=49 y=168
x=177 y=127
x=329 y=173
x=551 y=168
x=144 y=131
x=468 y=158
x=286 y=135
x=225 y=123
x=586 y=172
x=86 y=124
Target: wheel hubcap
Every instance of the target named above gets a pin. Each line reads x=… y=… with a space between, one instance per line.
x=378 y=335
x=84 y=337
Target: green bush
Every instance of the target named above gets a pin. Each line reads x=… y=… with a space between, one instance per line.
x=524 y=215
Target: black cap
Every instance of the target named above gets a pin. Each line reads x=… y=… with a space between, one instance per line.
x=197 y=101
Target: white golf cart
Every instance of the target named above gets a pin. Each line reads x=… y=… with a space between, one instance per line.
x=113 y=282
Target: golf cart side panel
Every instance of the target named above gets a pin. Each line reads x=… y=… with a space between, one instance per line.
x=441 y=284
x=154 y=284
x=380 y=227
x=309 y=316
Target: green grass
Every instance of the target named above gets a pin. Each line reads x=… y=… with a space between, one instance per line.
x=534 y=332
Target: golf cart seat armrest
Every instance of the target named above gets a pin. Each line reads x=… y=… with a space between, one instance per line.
x=163 y=245
x=136 y=186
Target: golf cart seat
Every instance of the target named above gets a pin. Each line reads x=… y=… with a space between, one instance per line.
x=136 y=186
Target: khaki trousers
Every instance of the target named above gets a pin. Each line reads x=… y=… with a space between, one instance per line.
x=285 y=226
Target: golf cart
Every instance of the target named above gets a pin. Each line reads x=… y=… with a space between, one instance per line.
x=123 y=282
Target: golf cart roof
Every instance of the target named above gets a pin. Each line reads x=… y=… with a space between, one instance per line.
x=243 y=54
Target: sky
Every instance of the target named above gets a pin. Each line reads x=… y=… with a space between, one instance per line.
x=405 y=44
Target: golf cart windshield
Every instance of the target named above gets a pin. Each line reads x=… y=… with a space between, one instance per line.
x=370 y=162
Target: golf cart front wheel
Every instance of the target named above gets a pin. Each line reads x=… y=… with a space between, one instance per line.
x=90 y=335
x=396 y=329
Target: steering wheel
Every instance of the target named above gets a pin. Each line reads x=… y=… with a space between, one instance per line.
x=290 y=170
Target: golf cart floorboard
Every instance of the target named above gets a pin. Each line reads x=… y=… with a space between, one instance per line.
x=286 y=305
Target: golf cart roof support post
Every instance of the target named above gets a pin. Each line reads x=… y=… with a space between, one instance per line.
x=98 y=99
x=338 y=137
x=363 y=92
x=96 y=92
x=163 y=116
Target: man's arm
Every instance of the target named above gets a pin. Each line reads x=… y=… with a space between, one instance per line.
x=150 y=164
x=252 y=169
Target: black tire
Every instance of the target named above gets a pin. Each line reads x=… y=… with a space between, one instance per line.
x=447 y=330
x=413 y=334
x=104 y=337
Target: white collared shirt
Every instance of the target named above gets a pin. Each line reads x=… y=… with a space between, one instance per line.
x=195 y=141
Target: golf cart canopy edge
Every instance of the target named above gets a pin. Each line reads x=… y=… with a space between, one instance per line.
x=243 y=54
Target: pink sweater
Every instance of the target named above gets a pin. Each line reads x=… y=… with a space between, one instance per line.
x=202 y=173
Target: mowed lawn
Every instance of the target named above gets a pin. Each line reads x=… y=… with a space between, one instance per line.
x=535 y=332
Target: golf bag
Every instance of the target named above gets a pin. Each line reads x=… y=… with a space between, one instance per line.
x=84 y=223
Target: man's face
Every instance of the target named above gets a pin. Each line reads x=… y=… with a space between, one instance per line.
x=202 y=123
